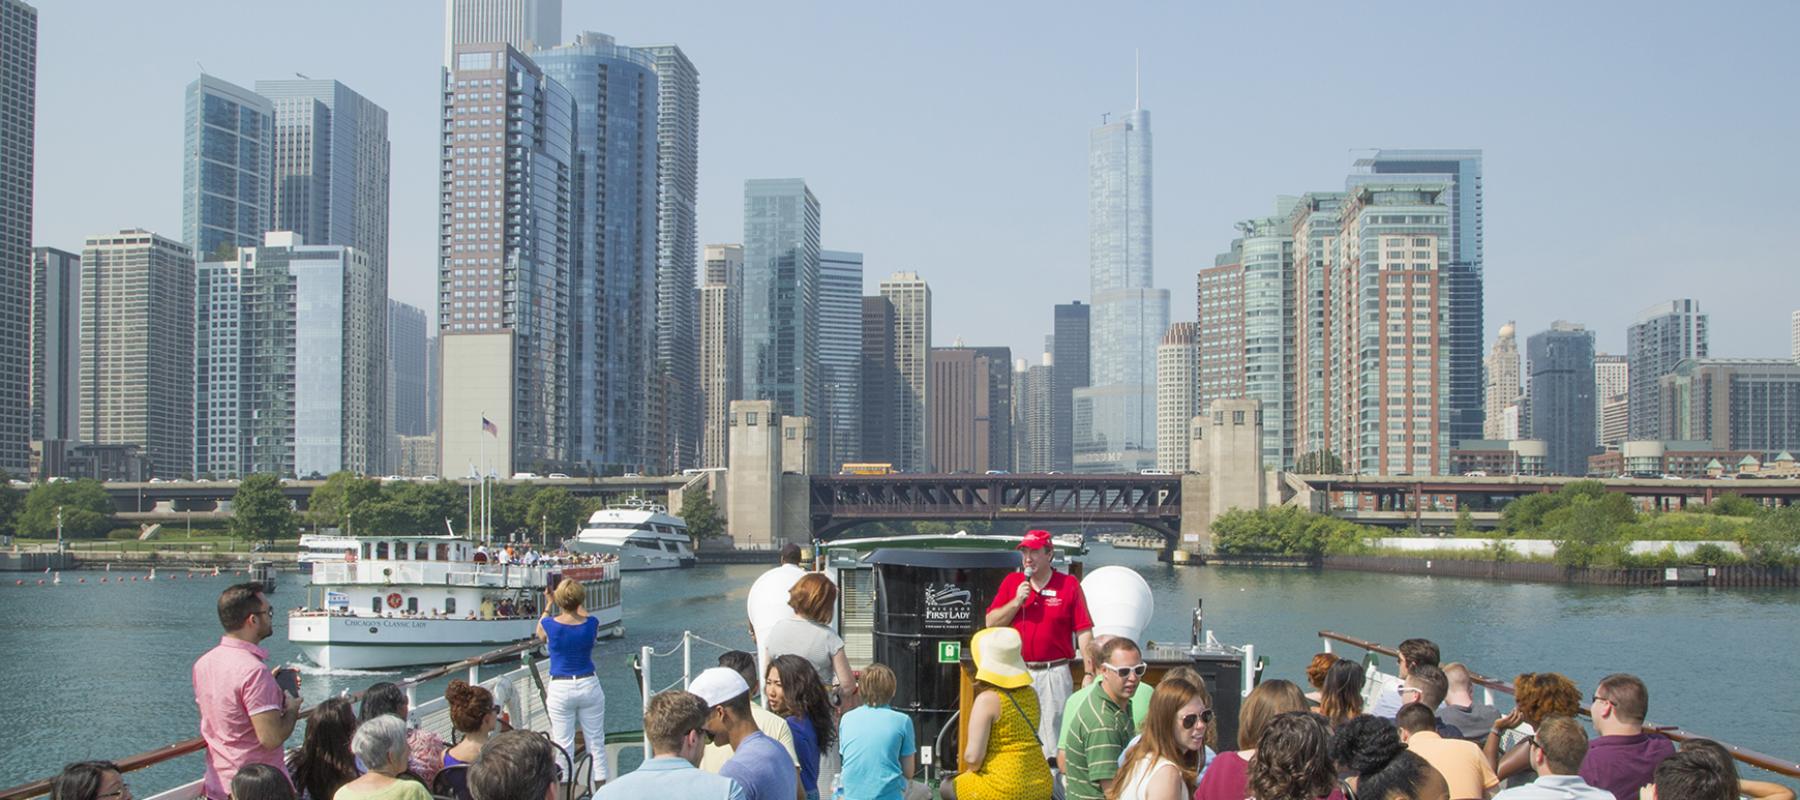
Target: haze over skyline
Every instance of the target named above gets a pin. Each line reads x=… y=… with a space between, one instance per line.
x=1630 y=157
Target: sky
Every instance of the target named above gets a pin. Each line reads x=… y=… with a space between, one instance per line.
x=1635 y=152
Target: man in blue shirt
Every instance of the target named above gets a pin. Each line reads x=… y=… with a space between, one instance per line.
x=758 y=763
x=672 y=725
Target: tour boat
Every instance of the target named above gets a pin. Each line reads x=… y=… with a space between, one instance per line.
x=404 y=600
x=327 y=548
x=644 y=536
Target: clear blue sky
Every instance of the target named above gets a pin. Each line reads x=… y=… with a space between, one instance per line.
x=1635 y=152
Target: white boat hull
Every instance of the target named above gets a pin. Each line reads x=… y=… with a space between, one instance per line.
x=361 y=642
x=634 y=559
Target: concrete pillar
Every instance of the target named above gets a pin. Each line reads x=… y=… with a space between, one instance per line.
x=753 y=479
x=1225 y=456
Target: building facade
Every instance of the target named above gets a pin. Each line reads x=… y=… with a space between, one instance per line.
x=1735 y=404
x=1612 y=385
x=1663 y=336
x=781 y=295
x=720 y=350
x=1219 y=333
x=840 y=357
x=1462 y=273
x=1267 y=255
x=228 y=175
x=1177 y=394
x=18 y=139
x=137 y=347
x=1115 y=417
x=1033 y=435
x=1069 y=351
x=1503 y=390
x=962 y=412
x=618 y=400
x=910 y=297
x=1314 y=226
x=1561 y=364
x=506 y=260
x=406 y=372
x=881 y=382
x=527 y=25
x=677 y=244
x=55 y=344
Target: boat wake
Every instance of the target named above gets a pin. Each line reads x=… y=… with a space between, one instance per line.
x=313 y=669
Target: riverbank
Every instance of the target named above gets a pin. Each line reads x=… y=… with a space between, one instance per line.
x=1738 y=576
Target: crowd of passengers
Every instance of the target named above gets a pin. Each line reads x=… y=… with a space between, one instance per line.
x=815 y=727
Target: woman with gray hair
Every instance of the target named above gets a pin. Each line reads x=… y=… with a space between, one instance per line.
x=380 y=743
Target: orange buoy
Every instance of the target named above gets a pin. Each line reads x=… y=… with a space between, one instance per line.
x=18 y=583
x=40 y=581
x=81 y=580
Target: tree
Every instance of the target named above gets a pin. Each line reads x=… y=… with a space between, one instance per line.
x=335 y=503
x=1587 y=532
x=11 y=502
x=512 y=512
x=86 y=510
x=1773 y=538
x=557 y=513
x=1319 y=462
x=261 y=511
x=701 y=515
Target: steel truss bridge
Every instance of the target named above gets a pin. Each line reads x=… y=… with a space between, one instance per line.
x=838 y=502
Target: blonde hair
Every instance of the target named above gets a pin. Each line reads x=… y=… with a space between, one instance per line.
x=570 y=595
x=876 y=684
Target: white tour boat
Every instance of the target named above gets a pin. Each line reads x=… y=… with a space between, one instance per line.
x=402 y=600
x=644 y=536
x=326 y=548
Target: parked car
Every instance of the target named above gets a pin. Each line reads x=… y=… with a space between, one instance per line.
x=526 y=476
x=557 y=476
x=1475 y=473
x=632 y=475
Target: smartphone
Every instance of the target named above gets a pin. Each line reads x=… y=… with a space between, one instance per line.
x=288 y=679
x=551 y=580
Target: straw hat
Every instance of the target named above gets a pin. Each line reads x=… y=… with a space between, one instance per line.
x=998 y=660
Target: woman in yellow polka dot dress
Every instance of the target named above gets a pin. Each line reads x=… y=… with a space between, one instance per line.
x=1002 y=759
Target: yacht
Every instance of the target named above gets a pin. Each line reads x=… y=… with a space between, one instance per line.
x=644 y=536
x=317 y=548
x=403 y=600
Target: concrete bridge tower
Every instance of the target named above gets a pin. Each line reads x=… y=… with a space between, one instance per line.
x=1225 y=456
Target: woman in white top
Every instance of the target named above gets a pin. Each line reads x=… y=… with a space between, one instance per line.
x=1164 y=764
x=808 y=634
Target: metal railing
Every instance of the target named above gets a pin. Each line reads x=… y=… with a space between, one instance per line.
x=1779 y=766
x=189 y=746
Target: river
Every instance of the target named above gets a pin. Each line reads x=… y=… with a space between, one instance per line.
x=102 y=670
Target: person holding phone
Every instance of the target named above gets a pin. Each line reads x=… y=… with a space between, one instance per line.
x=1051 y=615
x=245 y=714
x=574 y=695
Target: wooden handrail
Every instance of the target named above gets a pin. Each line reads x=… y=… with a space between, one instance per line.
x=1780 y=766
x=190 y=746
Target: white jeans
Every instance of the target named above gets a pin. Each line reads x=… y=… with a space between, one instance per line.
x=1053 y=686
x=580 y=700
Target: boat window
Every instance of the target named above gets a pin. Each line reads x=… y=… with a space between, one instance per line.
x=402 y=551
x=375 y=604
x=443 y=552
x=647 y=545
x=381 y=549
x=412 y=605
x=449 y=605
x=365 y=551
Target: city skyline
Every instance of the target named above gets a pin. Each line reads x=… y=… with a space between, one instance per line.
x=1207 y=176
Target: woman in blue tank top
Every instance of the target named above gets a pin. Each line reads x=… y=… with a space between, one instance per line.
x=574 y=694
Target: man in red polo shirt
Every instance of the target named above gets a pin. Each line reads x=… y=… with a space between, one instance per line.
x=1051 y=615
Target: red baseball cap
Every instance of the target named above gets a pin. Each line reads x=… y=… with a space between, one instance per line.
x=1035 y=540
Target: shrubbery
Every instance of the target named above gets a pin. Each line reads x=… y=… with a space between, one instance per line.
x=1773 y=538
x=1287 y=531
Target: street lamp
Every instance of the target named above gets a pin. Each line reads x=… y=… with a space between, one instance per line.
x=543 y=523
x=59 y=538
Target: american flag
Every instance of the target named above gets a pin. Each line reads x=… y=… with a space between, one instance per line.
x=488 y=427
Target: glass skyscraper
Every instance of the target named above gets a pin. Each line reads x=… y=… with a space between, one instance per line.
x=677 y=245
x=1115 y=417
x=1663 y=335
x=781 y=295
x=137 y=347
x=1267 y=258
x=1561 y=362
x=1069 y=358
x=840 y=357
x=18 y=125
x=227 y=186
x=613 y=349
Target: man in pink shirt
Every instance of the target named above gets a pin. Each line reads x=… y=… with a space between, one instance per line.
x=245 y=717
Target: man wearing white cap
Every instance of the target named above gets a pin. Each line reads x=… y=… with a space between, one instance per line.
x=757 y=762
x=1051 y=614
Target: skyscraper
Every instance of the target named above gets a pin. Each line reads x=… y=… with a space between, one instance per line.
x=881 y=382
x=1032 y=431
x=1662 y=336
x=720 y=350
x=1794 y=324
x=1561 y=361
x=1177 y=367
x=1069 y=343
x=1267 y=255
x=677 y=243
x=228 y=179
x=18 y=125
x=781 y=295
x=55 y=343
x=295 y=368
x=1313 y=224
x=1733 y=404
x=1503 y=383
x=1612 y=386
x=617 y=399
x=527 y=25
x=1115 y=417
x=962 y=410
x=505 y=259
x=1462 y=277
x=1000 y=406
x=137 y=347
x=840 y=357
x=911 y=300
x=1219 y=334
x=406 y=371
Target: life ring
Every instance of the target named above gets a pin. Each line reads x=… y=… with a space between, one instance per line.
x=394 y=600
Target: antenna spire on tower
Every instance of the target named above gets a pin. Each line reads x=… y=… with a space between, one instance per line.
x=1137 y=84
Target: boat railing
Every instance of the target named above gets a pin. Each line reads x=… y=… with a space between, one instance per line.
x=170 y=752
x=647 y=675
x=1491 y=686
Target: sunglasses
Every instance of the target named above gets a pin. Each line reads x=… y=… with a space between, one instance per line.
x=1133 y=671
x=1188 y=720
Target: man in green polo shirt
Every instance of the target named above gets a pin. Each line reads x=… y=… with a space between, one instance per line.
x=1100 y=727
x=1140 y=707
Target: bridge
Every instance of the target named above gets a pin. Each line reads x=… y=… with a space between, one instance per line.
x=1409 y=500
x=837 y=502
x=163 y=501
